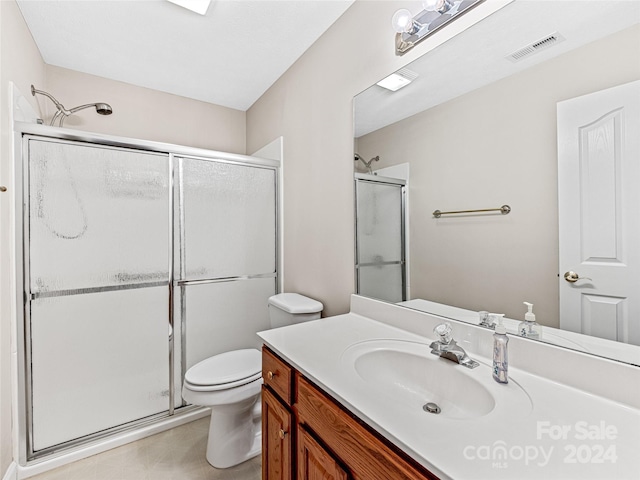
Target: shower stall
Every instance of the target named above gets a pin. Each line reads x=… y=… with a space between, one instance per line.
x=138 y=259
x=380 y=204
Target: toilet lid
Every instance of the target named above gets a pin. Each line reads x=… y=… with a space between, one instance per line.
x=226 y=367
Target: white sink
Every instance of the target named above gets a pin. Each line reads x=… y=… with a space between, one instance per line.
x=409 y=375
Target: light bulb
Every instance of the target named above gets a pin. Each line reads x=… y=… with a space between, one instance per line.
x=440 y=6
x=402 y=20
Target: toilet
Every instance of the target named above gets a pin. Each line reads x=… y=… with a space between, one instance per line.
x=230 y=383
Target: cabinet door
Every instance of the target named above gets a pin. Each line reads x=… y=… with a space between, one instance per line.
x=314 y=462
x=276 y=438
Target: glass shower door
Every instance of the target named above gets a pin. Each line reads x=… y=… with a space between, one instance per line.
x=380 y=239
x=97 y=288
x=227 y=254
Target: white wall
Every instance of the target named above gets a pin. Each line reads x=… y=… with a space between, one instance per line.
x=311 y=107
x=495 y=146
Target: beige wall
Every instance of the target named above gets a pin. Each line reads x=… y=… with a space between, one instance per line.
x=493 y=146
x=21 y=63
x=311 y=107
x=143 y=113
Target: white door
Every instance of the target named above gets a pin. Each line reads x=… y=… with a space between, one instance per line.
x=599 y=213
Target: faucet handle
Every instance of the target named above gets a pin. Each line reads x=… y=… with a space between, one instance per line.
x=443 y=331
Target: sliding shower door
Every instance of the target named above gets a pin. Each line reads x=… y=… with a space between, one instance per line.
x=227 y=254
x=380 y=238
x=137 y=263
x=97 y=281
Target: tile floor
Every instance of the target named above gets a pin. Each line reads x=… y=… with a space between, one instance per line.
x=177 y=454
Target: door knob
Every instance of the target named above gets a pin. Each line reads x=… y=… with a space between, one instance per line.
x=573 y=277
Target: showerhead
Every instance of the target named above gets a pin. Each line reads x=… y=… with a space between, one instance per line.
x=101 y=108
x=62 y=113
x=104 y=109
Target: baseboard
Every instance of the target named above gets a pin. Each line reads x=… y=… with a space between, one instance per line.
x=11 y=473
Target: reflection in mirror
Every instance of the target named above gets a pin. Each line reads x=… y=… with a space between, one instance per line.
x=536 y=107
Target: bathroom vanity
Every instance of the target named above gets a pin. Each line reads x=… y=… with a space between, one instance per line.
x=307 y=432
x=343 y=398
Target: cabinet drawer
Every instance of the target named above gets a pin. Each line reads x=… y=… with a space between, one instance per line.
x=368 y=456
x=277 y=375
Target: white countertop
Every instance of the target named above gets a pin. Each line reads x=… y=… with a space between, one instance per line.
x=525 y=437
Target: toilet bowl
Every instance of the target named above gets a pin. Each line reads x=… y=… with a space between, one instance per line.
x=230 y=384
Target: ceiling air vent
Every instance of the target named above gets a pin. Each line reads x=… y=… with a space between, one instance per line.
x=535 y=47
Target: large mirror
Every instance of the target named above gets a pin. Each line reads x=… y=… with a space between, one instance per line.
x=533 y=108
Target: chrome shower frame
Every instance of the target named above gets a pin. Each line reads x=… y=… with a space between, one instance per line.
x=402 y=184
x=174 y=415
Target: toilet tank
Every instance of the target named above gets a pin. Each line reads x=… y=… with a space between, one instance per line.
x=289 y=308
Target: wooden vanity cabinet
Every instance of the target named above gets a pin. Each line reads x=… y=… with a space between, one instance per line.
x=309 y=436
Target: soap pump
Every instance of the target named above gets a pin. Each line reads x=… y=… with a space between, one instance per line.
x=500 y=357
x=529 y=328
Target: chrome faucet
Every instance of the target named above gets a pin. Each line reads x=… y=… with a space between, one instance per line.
x=447 y=347
x=486 y=320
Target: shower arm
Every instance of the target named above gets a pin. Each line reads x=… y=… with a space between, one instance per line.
x=367 y=164
x=59 y=106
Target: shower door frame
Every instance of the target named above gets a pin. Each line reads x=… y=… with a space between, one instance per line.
x=369 y=178
x=22 y=397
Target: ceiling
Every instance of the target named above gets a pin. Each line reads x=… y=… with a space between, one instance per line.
x=476 y=57
x=228 y=57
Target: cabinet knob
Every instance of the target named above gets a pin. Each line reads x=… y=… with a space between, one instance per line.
x=282 y=434
x=3 y=188
x=270 y=375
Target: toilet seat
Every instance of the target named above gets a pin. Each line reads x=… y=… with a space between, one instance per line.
x=225 y=370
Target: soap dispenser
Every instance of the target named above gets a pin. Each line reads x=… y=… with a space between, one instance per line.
x=500 y=358
x=529 y=328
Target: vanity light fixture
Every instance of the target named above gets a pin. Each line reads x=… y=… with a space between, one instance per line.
x=397 y=80
x=411 y=30
x=197 y=6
